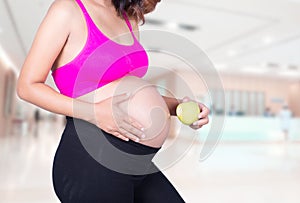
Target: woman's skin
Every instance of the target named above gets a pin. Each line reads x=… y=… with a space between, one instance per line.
x=60 y=37
x=144 y=104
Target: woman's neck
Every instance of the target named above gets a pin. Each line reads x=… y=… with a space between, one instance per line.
x=104 y=3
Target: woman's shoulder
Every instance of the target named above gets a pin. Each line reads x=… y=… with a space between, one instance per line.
x=64 y=8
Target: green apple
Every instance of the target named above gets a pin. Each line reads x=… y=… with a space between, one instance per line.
x=187 y=112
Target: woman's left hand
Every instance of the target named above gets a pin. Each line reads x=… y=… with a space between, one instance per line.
x=202 y=117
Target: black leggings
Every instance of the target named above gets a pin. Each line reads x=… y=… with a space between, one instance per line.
x=78 y=176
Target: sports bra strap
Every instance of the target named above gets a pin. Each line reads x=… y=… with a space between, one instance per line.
x=127 y=21
x=90 y=21
x=85 y=13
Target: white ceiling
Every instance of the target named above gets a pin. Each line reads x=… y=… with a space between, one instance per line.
x=235 y=34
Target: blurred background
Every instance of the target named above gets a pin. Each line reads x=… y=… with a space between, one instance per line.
x=253 y=44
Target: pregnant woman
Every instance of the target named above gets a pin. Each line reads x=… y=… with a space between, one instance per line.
x=108 y=106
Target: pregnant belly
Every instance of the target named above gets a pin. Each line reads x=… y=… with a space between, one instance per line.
x=145 y=105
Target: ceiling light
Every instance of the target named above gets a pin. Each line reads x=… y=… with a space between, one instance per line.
x=221 y=66
x=273 y=65
x=254 y=69
x=267 y=40
x=153 y=21
x=172 y=25
x=289 y=73
x=188 y=27
x=231 y=53
x=292 y=67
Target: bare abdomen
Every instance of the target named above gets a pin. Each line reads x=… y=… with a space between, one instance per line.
x=145 y=105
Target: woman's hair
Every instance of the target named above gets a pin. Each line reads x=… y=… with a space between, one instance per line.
x=135 y=9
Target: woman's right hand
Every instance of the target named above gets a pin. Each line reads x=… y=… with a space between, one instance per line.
x=111 y=117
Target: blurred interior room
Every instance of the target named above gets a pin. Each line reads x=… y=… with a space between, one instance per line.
x=253 y=46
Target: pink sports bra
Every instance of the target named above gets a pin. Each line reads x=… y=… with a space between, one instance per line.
x=100 y=62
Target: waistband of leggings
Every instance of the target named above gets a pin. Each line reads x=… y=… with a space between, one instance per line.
x=121 y=144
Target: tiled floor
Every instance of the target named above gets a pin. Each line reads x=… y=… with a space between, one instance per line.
x=235 y=173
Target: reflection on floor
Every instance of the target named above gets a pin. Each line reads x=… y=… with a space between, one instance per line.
x=235 y=172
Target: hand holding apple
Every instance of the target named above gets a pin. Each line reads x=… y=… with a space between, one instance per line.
x=187 y=112
x=192 y=113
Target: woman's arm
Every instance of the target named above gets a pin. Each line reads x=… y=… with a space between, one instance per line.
x=172 y=104
x=50 y=39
